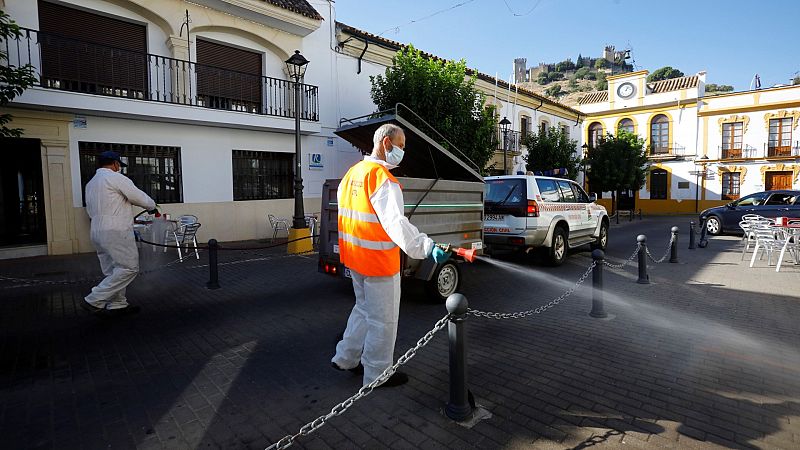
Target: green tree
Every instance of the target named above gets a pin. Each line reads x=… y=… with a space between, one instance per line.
x=617 y=163
x=592 y=75
x=542 y=78
x=565 y=65
x=600 y=63
x=554 y=91
x=581 y=73
x=13 y=80
x=579 y=62
x=573 y=82
x=601 y=84
x=555 y=76
x=551 y=150
x=664 y=73
x=711 y=87
x=441 y=93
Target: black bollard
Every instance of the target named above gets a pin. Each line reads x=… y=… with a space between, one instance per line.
x=643 y=277
x=692 y=244
x=213 y=274
x=630 y=215
x=617 y=217
x=673 y=250
x=458 y=408
x=598 y=309
x=703 y=234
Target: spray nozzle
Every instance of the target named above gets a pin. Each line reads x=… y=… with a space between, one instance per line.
x=467 y=254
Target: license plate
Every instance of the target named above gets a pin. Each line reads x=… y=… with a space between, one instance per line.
x=477 y=245
x=347 y=273
x=495 y=217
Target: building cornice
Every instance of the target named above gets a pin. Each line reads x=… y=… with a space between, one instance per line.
x=627 y=75
x=265 y=14
x=643 y=108
x=748 y=108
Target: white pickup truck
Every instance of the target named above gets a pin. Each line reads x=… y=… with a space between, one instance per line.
x=526 y=212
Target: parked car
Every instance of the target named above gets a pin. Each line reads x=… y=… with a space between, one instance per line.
x=769 y=204
x=524 y=212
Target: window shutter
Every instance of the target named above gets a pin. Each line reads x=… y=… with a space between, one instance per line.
x=91 y=52
x=228 y=76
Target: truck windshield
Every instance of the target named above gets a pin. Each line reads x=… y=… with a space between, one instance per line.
x=509 y=191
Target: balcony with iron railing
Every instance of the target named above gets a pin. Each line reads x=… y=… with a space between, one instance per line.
x=672 y=151
x=511 y=141
x=71 y=65
x=768 y=150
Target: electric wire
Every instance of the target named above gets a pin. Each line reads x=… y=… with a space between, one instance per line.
x=515 y=14
x=396 y=29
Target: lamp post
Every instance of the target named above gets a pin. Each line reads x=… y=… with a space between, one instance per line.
x=703 y=160
x=504 y=125
x=296 y=68
x=585 y=148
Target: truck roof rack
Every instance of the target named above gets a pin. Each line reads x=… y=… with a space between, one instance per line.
x=425 y=157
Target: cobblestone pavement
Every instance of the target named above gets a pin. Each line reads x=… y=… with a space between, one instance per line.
x=706 y=356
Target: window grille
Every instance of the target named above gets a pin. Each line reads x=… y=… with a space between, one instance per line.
x=155 y=169
x=261 y=175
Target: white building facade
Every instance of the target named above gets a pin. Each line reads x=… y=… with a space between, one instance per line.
x=202 y=110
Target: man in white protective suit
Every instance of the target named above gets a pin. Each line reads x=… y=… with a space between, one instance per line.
x=109 y=198
x=372 y=231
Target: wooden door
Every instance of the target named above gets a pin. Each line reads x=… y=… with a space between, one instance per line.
x=778 y=180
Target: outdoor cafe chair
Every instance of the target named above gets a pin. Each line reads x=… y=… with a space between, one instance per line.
x=791 y=243
x=183 y=236
x=277 y=224
x=746 y=224
x=768 y=239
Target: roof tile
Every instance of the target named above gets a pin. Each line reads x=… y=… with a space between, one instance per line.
x=301 y=7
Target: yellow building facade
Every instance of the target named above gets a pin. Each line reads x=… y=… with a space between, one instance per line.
x=703 y=149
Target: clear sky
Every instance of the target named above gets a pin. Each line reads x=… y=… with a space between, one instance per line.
x=732 y=40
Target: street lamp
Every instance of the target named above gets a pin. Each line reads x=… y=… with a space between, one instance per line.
x=697 y=176
x=504 y=125
x=585 y=148
x=296 y=68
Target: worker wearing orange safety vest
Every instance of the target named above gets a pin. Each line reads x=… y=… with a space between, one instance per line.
x=372 y=231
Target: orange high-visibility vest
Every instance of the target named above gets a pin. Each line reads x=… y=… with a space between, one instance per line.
x=364 y=246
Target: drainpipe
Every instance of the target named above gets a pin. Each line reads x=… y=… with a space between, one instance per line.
x=361 y=56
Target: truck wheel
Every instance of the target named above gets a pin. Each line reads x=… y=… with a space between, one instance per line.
x=444 y=282
x=602 y=238
x=559 y=246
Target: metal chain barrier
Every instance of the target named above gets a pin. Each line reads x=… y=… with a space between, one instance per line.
x=666 y=254
x=627 y=261
x=540 y=309
x=339 y=409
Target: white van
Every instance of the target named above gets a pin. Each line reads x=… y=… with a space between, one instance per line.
x=526 y=211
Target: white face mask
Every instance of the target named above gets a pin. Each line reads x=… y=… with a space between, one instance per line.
x=395 y=156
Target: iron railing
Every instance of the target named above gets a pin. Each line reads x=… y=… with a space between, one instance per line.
x=78 y=66
x=766 y=151
x=510 y=140
x=740 y=152
x=781 y=149
x=674 y=150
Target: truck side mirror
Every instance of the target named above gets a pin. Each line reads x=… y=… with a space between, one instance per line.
x=592 y=197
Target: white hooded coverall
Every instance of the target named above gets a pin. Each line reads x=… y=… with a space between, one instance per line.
x=372 y=327
x=109 y=197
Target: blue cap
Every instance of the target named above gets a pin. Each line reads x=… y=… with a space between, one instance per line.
x=112 y=156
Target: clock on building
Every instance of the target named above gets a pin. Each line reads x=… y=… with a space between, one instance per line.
x=626 y=90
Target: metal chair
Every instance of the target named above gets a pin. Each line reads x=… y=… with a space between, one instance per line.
x=278 y=223
x=768 y=239
x=183 y=236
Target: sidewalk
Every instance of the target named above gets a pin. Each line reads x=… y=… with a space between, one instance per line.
x=704 y=357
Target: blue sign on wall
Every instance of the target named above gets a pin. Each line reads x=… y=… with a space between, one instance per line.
x=315 y=161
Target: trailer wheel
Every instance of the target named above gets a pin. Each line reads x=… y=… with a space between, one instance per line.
x=444 y=282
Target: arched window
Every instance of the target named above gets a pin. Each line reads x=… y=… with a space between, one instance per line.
x=595 y=134
x=626 y=125
x=658 y=184
x=659 y=134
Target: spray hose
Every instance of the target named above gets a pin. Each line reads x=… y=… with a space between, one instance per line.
x=467 y=253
